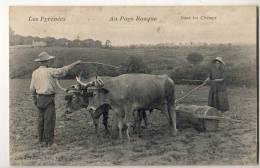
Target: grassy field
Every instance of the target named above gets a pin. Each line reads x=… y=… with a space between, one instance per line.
x=233 y=143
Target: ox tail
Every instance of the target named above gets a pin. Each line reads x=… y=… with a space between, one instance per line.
x=170 y=91
x=172 y=116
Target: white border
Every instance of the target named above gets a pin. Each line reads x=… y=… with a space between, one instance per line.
x=4 y=46
x=134 y=2
x=4 y=84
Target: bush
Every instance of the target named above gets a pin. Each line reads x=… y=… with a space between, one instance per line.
x=242 y=75
x=188 y=72
x=134 y=65
x=195 y=58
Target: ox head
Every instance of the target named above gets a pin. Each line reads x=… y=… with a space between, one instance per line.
x=97 y=94
x=98 y=97
x=76 y=97
x=89 y=95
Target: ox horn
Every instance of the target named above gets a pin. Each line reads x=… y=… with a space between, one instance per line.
x=58 y=84
x=99 y=82
x=78 y=78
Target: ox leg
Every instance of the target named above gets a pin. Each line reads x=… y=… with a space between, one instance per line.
x=117 y=125
x=145 y=119
x=172 y=118
x=95 y=115
x=68 y=106
x=168 y=111
x=114 y=129
x=126 y=118
x=139 y=122
x=116 y=121
x=123 y=126
x=128 y=113
x=164 y=110
x=148 y=119
x=120 y=127
x=105 y=120
x=127 y=132
x=136 y=118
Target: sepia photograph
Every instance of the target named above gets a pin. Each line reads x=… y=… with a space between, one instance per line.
x=133 y=85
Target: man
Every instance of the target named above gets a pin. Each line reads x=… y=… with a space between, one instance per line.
x=43 y=94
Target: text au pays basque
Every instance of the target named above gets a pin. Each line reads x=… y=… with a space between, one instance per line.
x=132 y=19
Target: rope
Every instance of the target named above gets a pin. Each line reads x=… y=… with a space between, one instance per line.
x=59 y=86
x=187 y=94
x=98 y=63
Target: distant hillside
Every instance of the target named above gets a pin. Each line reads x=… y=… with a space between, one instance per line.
x=240 y=60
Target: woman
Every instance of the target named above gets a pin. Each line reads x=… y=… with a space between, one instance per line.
x=218 y=93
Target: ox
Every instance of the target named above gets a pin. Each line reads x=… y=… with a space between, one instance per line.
x=129 y=93
x=77 y=98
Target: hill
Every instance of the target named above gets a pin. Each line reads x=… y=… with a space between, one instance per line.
x=240 y=60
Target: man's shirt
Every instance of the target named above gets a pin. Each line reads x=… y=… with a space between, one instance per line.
x=44 y=79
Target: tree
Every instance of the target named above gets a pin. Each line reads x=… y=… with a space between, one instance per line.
x=49 y=40
x=75 y=43
x=89 y=43
x=108 y=44
x=98 y=43
x=63 y=42
x=28 y=40
x=18 y=40
x=194 y=58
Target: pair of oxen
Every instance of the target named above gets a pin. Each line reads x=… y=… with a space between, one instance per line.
x=128 y=96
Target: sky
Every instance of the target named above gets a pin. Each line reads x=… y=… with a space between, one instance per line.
x=227 y=24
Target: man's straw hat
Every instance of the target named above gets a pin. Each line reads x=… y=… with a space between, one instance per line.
x=44 y=56
x=219 y=59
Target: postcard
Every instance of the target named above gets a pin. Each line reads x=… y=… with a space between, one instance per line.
x=133 y=85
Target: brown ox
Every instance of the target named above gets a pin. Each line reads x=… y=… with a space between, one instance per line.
x=128 y=93
x=76 y=97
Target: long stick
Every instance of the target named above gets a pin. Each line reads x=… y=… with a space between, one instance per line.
x=222 y=117
x=192 y=90
x=191 y=80
x=99 y=63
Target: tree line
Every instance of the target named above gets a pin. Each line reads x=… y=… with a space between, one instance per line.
x=16 y=39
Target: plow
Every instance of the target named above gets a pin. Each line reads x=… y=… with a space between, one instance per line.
x=202 y=118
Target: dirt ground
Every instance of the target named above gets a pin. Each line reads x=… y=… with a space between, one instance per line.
x=76 y=143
